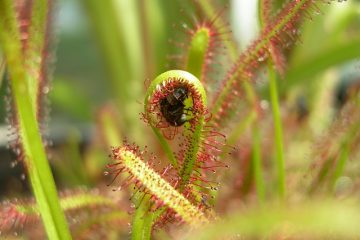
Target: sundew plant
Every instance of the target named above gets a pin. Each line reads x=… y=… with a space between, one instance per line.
x=214 y=119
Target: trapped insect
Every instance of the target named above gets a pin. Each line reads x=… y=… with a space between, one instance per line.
x=172 y=107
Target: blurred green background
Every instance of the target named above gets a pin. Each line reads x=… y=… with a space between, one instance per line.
x=106 y=50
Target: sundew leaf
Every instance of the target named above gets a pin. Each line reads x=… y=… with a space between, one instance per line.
x=158 y=186
x=251 y=59
x=35 y=159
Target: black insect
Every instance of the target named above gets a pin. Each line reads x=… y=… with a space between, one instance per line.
x=173 y=108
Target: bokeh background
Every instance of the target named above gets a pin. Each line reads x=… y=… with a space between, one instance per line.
x=107 y=51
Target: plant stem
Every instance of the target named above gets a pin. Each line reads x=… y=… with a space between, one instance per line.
x=139 y=219
x=279 y=153
x=144 y=219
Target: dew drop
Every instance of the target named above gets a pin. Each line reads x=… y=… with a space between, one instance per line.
x=13 y=164
x=261 y=59
x=264 y=104
x=17 y=151
x=22 y=176
x=46 y=90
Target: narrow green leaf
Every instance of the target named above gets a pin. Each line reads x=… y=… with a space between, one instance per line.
x=35 y=159
x=279 y=153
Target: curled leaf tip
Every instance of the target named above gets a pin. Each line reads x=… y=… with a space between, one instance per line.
x=174 y=98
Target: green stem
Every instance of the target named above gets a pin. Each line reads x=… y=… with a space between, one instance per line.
x=150 y=220
x=263 y=17
x=144 y=219
x=140 y=218
x=279 y=154
x=37 y=165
